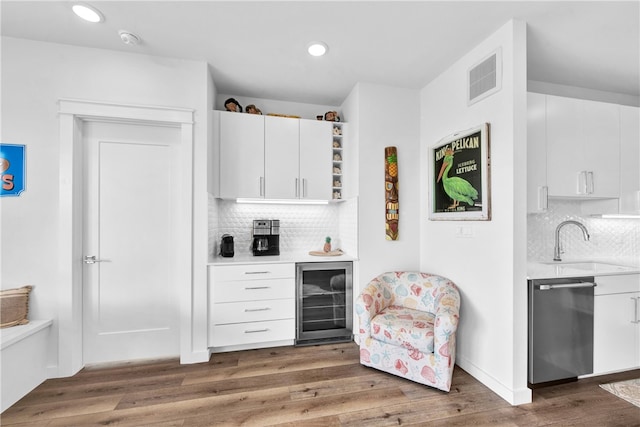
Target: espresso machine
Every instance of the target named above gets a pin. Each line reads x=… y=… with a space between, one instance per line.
x=266 y=237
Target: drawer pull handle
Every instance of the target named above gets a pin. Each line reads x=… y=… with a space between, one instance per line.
x=253 y=331
x=567 y=285
x=635 y=310
x=251 y=288
x=248 y=310
x=257 y=272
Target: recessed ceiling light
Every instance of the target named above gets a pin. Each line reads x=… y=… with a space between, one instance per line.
x=88 y=13
x=317 y=48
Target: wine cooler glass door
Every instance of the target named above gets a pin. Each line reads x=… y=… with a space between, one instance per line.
x=324 y=302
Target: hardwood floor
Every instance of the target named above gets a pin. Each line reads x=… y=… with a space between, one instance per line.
x=300 y=386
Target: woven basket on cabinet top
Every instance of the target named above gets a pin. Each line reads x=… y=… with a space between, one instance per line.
x=14 y=306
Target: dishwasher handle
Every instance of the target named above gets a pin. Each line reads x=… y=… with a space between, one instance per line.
x=567 y=286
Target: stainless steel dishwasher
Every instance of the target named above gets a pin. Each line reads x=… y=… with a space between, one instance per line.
x=560 y=329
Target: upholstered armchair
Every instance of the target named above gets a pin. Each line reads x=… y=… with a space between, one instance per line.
x=407 y=326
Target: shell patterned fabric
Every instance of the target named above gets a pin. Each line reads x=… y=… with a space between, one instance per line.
x=404 y=327
x=407 y=326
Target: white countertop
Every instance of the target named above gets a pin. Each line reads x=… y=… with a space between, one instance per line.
x=577 y=268
x=277 y=259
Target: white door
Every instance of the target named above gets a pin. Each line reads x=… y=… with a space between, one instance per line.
x=130 y=300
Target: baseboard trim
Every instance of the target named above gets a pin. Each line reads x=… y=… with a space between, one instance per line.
x=513 y=397
x=195 y=357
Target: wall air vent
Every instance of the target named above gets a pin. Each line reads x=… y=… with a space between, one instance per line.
x=485 y=78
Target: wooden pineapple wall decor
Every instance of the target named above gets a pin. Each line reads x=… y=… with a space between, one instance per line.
x=391 y=209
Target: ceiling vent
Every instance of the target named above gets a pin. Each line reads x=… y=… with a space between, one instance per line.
x=485 y=78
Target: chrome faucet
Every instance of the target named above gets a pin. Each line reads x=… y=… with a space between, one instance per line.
x=557 y=250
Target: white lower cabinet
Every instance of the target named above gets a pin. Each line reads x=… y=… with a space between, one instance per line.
x=252 y=333
x=616 y=334
x=251 y=305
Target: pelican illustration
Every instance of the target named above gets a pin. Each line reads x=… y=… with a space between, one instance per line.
x=458 y=189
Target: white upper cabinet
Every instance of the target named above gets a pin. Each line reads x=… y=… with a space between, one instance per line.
x=281 y=171
x=242 y=155
x=536 y=153
x=315 y=159
x=583 y=148
x=270 y=157
x=629 y=159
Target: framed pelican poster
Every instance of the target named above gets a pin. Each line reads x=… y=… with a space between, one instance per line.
x=459 y=171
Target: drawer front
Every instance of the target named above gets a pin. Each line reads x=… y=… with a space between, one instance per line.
x=253 y=311
x=253 y=332
x=253 y=290
x=253 y=272
x=617 y=284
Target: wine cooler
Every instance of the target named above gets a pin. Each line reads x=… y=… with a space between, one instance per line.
x=324 y=301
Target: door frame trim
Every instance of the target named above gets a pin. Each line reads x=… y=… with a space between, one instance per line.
x=72 y=113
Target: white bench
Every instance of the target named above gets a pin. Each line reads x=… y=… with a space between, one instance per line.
x=23 y=355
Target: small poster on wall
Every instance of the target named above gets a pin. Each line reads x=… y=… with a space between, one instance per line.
x=12 y=169
x=459 y=174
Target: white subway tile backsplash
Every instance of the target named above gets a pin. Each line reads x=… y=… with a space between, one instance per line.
x=617 y=240
x=302 y=227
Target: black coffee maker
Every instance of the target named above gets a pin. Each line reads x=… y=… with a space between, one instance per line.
x=266 y=237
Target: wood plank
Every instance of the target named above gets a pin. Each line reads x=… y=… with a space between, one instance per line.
x=99 y=389
x=236 y=385
x=308 y=410
x=208 y=410
x=276 y=363
x=309 y=390
x=38 y=413
x=435 y=405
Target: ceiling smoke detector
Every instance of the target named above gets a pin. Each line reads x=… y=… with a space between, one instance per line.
x=129 y=38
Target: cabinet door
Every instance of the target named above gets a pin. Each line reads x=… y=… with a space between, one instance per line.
x=601 y=148
x=565 y=157
x=281 y=158
x=536 y=153
x=315 y=159
x=629 y=160
x=616 y=338
x=583 y=148
x=241 y=155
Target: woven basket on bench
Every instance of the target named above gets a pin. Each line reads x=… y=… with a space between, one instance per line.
x=14 y=306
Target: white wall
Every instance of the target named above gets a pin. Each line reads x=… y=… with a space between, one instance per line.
x=380 y=116
x=489 y=267
x=35 y=76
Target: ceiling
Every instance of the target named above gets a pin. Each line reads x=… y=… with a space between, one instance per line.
x=258 y=49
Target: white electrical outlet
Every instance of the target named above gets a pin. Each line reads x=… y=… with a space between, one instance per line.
x=465 y=231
